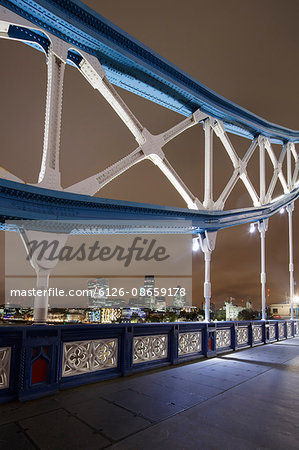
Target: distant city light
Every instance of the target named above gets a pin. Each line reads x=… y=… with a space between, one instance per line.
x=252 y=228
x=195 y=245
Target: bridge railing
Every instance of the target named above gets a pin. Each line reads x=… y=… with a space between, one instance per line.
x=38 y=360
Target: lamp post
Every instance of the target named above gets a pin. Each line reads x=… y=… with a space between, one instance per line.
x=290 y=209
x=262 y=227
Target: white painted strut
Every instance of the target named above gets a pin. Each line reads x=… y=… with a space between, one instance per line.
x=262 y=227
x=93 y=71
x=93 y=184
x=49 y=176
x=261 y=143
x=208 y=195
x=165 y=166
x=192 y=120
x=219 y=130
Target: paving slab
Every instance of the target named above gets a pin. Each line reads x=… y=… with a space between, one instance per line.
x=180 y=433
x=220 y=383
x=12 y=437
x=143 y=405
x=166 y=394
x=14 y=411
x=113 y=421
x=60 y=430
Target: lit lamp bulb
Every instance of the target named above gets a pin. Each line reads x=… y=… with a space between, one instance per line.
x=252 y=228
x=281 y=211
x=195 y=245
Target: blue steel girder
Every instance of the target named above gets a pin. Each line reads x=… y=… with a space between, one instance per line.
x=136 y=68
x=25 y=202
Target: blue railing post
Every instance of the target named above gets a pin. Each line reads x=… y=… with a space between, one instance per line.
x=234 y=336
x=250 y=334
x=174 y=344
x=210 y=340
x=276 y=331
x=126 y=353
x=264 y=332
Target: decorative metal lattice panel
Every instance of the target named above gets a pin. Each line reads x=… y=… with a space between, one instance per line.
x=272 y=334
x=289 y=329
x=89 y=356
x=257 y=333
x=223 y=338
x=150 y=348
x=5 y=353
x=189 y=343
x=281 y=330
x=297 y=327
x=242 y=335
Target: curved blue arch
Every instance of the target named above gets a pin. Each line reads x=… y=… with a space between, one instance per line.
x=137 y=68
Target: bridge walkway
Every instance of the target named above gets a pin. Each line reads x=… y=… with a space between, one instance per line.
x=243 y=400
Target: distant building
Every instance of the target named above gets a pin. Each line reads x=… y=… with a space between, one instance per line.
x=232 y=311
x=98 y=292
x=127 y=313
x=161 y=303
x=283 y=310
x=93 y=315
x=149 y=283
x=109 y=315
x=179 y=301
x=148 y=300
x=137 y=302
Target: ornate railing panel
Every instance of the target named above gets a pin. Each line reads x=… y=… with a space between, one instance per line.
x=242 y=335
x=223 y=338
x=281 y=331
x=89 y=356
x=289 y=329
x=5 y=356
x=189 y=343
x=272 y=332
x=150 y=348
x=257 y=333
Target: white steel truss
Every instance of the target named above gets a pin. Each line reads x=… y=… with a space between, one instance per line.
x=151 y=146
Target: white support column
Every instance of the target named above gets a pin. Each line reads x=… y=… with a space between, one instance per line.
x=262 y=227
x=38 y=246
x=41 y=302
x=208 y=197
x=49 y=175
x=207 y=285
x=207 y=243
x=290 y=209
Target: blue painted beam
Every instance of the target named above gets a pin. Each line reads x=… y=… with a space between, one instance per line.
x=135 y=67
x=24 y=202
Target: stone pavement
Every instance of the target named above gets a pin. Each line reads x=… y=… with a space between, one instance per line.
x=242 y=400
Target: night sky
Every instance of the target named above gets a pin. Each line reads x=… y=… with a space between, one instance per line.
x=245 y=50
